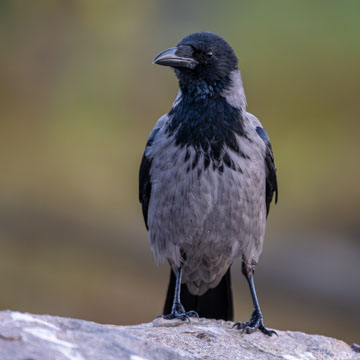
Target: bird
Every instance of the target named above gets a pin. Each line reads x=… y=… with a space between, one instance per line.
x=206 y=181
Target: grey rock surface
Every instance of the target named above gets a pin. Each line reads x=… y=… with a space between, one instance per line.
x=43 y=337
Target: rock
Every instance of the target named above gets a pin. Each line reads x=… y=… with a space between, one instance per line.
x=43 y=337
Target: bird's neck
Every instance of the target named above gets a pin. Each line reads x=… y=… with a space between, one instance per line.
x=199 y=90
x=206 y=121
x=196 y=91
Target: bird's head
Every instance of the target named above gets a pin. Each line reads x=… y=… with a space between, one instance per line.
x=202 y=56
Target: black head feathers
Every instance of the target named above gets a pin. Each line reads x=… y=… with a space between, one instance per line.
x=200 y=56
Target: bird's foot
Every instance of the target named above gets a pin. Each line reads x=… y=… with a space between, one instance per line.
x=178 y=312
x=256 y=322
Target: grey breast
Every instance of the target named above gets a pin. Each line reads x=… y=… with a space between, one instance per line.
x=210 y=216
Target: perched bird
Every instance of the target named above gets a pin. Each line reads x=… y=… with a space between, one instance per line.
x=207 y=178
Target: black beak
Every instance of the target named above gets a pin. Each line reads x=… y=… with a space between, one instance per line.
x=168 y=57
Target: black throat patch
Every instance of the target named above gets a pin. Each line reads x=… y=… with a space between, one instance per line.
x=204 y=120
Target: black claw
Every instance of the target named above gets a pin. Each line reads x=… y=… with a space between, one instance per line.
x=193 y=313
x=239 y=325
x=180 y=315
x=185 y=317
x=255 y=323
x=264 y=330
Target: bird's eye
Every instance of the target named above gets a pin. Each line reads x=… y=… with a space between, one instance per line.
x=209 y=54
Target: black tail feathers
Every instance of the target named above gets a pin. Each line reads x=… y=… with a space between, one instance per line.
x=216 y=303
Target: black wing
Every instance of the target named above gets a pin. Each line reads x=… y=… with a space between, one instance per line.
x=145 y=179
x=271 y=181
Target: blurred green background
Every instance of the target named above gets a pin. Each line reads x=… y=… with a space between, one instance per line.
x=78 y=98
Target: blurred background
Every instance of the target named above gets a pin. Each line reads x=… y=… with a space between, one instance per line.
x=78 y=98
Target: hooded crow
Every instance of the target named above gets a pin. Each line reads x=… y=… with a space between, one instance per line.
x=207 y=178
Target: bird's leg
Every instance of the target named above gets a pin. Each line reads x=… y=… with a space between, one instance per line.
x=256 y=321
x=178 y=311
